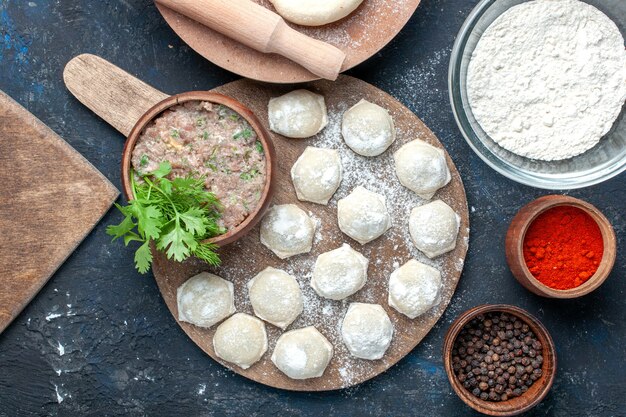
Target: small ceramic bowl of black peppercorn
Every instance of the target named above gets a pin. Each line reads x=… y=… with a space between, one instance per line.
x=500 y=360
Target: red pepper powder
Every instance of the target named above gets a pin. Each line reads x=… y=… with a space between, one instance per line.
x=563 y=247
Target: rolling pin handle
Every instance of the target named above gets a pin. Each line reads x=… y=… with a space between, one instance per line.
x=321 y=58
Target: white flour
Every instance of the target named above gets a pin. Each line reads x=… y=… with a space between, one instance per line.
x=548 y=78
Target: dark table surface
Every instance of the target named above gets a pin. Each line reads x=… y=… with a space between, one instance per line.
x=98 y=339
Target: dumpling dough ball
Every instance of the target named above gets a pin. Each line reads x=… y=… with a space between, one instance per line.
x=315 y=12
x=414 y=288
x=363 y=215
x=317 y=174
x=422 y=168
x=367 y=331
x=299 y=114
x=339 y=273
x=302 y=353
x=275 y=297
x=368 y=129
x=287 y=231
x=434 y=228
x=241 y=340
x=205 y=299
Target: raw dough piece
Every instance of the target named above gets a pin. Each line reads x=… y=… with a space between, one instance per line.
x=422 y=168
x=339 y=273
x=434 y=228
x=302 y=353
x=414 y=288
x=317 y=174
x=368 y=129
x=287 y=231
x=241 y=340
x=299 y=114
x=205 y=299
x=315 y=12
x=367 y=331
x=363 y=215
x=275 y=297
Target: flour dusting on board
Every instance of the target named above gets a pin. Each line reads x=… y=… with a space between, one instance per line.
x=337 y=33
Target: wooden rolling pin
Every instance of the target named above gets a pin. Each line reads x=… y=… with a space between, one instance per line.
x=259 y=28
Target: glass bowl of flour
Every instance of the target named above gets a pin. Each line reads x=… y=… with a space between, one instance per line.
x=543 y=102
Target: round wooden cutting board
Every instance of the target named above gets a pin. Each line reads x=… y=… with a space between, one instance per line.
x=366 y=31
x=245 y=258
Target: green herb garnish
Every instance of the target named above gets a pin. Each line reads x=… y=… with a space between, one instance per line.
x=247 y=176
x=144 y=160
x=175 y=133
x=245 y=133
x=234 y=117
x=259 y=147
x=205 y=135
x=178 y=215
x=200 y=121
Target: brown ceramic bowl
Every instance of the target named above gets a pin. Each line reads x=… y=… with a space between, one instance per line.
x=515 y=243
x=263 y=136
x=514 y=406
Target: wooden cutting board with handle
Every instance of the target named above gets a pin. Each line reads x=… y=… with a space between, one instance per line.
x=121 y=99
x=50 y=199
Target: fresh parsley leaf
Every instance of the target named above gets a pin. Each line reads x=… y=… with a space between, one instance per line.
x=144 y=160
x=163 y=170
x=178 y=243
x=259 y=147
x=143 y=257
x=118 y=231
x=194 y=221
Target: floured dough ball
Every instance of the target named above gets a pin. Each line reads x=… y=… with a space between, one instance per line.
x=363 y=215
x=422 y=168
x=302 y=353
x=339 y=273
x=205 y=299
x=317 y=174
x=315 y=12
x=241 y=340
x=367 y=331
x=287 y=231
x=414 y=288
x=299 y=114
x=434 y=228
x=368 y=129
x=275 y=297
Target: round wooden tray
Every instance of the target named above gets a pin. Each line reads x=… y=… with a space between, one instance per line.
x=360 y=35
x=245 y=258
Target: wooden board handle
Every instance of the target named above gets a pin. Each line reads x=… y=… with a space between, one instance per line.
x=110 y=92
x=259 y=28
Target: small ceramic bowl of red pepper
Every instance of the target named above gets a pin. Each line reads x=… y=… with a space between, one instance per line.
x=560 y=247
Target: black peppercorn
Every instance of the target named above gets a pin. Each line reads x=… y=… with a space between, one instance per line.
x=497 y=357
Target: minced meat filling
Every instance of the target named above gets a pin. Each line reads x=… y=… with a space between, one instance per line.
x=212 y=141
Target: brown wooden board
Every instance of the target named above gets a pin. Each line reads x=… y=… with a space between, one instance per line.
x=50 y=199
x=366 y=31
x=243 y=259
